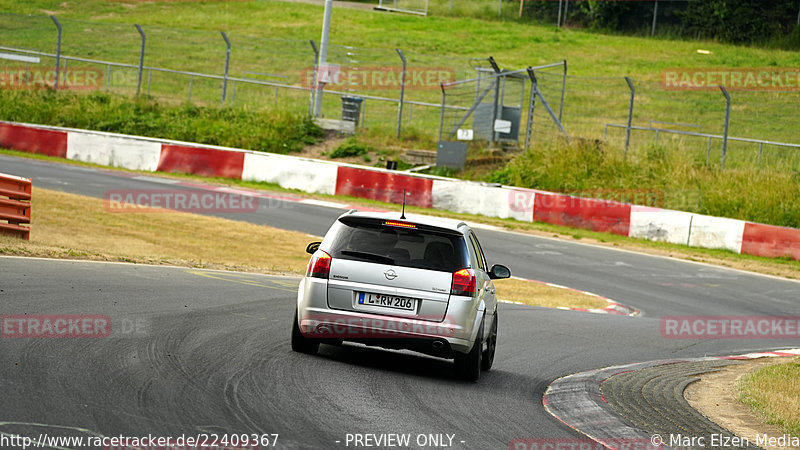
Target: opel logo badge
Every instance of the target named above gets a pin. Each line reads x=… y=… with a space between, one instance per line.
x=390 y=274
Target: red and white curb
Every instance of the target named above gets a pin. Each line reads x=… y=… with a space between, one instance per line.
x=577 y=402
x=327 y=177
x=613 y=307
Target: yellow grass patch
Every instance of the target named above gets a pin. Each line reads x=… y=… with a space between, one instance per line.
x=774 y=393
x=540 y=294
x=73 y=226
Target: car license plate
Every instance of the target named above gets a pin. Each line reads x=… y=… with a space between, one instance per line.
x=387 y=301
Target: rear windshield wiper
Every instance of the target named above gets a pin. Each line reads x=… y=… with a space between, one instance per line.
x=370 y=256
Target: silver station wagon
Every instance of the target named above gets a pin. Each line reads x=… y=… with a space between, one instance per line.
x=420 y=284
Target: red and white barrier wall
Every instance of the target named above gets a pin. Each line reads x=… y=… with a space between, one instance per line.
x=326 y=177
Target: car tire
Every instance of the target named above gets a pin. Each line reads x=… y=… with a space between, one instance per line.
x=300 y=343
x=491 y=346
x=468 y=365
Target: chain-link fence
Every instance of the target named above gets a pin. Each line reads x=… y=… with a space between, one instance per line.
x=401 y=90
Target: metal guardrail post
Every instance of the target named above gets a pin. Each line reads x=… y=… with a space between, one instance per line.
x=227 y=63
x=58 y=51
x=727 y=124
x=630 y=115
x=141 y=59
x=402 y=92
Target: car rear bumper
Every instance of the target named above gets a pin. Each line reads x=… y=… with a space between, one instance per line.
x=456 y=333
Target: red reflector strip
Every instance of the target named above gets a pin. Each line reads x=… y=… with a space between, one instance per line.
x=392 y=223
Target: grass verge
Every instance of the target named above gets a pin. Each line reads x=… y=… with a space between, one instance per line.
x=773 y=392
x=678 y=180
x=76 y=227
x=72 y=226
x=539 y=294
x=782 y=267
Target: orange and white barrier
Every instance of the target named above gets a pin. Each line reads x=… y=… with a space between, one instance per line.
x=15 y=205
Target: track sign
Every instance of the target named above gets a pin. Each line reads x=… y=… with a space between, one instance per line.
x=502 y=126
x=464 y=135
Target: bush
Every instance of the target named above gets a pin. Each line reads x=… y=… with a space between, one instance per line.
x=675 y=179
x=351 y=147
x=268 y=131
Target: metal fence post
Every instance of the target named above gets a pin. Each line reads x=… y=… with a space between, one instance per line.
x=760 y=149
x=558 y=21
x=655 y=17
x=532 y=76
x=630 y=115
x=441 y=114
x=58 y=51
x=531 y=110
x=227 y=63
x=496 y=109
x=312 y=104
x=727 y=124
x=402 y=92
x=563 y=91
x=141 y=59
x=499 y=8
x=566 y=9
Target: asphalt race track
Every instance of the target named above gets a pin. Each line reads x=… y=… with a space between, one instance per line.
x=208 y=352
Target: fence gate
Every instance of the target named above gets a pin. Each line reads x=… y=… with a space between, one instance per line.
x=491 y=107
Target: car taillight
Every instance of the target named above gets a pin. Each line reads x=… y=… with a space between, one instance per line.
x=320 y=265
x=463 y=282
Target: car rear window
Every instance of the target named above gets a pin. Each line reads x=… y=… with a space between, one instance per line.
x=422 y=248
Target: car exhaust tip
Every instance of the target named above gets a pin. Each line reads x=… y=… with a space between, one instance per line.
x=437 y=345
x=323 y=329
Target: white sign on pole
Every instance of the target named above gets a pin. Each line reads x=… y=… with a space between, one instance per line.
x=464 y=135
x=502 y=126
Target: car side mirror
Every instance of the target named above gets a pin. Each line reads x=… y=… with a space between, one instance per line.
x=499 y=271
x=312 y=247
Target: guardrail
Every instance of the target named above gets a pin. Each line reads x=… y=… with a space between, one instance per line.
x=15 y=205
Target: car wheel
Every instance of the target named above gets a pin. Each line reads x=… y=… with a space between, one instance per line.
x=468 y=365
x=491 y=346
x=301 y=343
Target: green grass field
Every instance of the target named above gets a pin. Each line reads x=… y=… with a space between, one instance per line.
x=270 y=42
x=271 y=37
